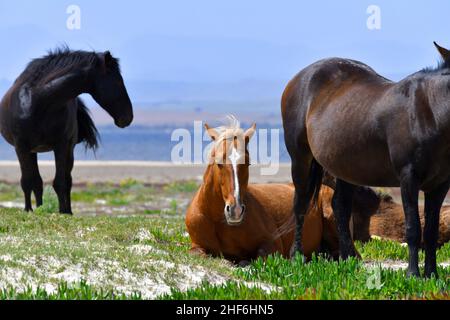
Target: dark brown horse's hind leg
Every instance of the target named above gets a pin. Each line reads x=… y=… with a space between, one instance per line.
x=301 y=200
x=63 y=178
x=31 y=179
x=299 y=212
x=342 y=209
x=410 y=193
x=433 y=204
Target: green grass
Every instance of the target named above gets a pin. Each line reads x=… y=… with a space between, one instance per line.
x=173 y=209
x=184 y=186
x=231 y=290
x=101 y=250
x=384 y=249
x=126 y=191
x=10 y=192
x=79 y=291
x=49 y=202
x=126 y=257
x=152 y=211
x=321 y=279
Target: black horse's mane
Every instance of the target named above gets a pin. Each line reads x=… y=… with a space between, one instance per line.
x=60 y=61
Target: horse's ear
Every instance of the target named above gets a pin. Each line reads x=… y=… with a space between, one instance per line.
x=211 y=132
x=445 y=54
x=250 y=132
x=106 y=59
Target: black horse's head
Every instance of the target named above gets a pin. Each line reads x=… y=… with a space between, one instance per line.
x=109 y=90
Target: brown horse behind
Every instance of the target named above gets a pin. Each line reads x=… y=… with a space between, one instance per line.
x=388 y=222
x=373 y=215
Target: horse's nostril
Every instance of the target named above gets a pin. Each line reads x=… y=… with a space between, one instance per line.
x=227 y=208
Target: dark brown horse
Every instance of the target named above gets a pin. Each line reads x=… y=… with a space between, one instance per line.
x=42 y=112
x=339 y=115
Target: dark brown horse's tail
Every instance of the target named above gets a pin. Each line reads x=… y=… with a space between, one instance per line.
x=87 y=132
x=314 y=183
x=313 y=186
x=285 y=228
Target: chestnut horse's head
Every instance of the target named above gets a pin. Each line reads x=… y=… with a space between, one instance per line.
x=230 y=161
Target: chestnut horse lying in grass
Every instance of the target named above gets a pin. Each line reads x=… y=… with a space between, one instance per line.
x=230 y=217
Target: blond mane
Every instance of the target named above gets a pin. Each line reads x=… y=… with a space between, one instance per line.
x=230 y=130
x=227 y=132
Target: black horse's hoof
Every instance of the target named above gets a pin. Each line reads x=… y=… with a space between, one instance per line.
x=294 y=250
x=243 y=263
x=348 y=250
x=413 y=273
x=297 y=253
x=431 y=274
x=351 y=254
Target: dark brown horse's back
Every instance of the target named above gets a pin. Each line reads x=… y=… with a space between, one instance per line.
x=308 y=86
x=323 y=81
x=323 y=97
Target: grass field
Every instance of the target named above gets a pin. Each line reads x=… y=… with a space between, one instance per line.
x=128 y=241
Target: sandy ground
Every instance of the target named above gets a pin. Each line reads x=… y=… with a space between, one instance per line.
x=142 y=171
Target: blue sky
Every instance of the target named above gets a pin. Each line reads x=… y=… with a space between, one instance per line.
x=232 y=42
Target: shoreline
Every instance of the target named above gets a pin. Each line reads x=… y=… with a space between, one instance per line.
x=150 y=172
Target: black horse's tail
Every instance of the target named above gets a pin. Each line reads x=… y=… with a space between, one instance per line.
x=87 y=132
x=314 y=183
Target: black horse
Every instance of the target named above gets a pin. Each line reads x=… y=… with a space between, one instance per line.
x=42 y=112
x=340 y=116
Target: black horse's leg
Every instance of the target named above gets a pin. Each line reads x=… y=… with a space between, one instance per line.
x=63 y=177
x=342 y=209
x=433 y=203
x=410 y=194
x=38 y=185
x=31 y=179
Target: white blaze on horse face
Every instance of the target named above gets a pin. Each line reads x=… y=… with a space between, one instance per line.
x=234 y=157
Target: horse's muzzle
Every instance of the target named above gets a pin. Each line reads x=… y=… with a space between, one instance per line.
x=123 y=122
x=234 y=214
